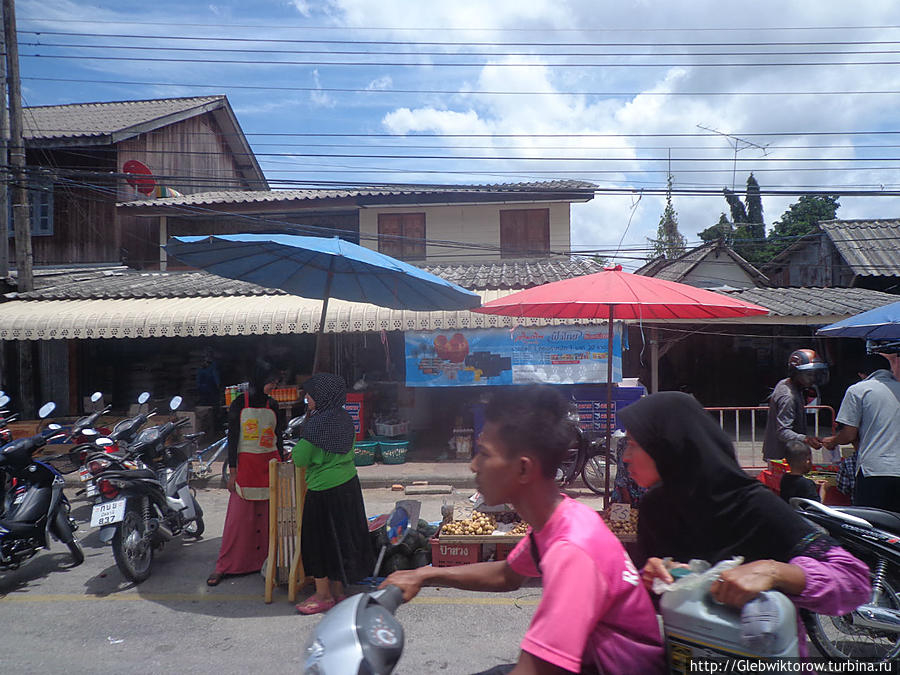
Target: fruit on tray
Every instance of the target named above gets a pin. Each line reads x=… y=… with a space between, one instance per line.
x=622 y=526
x=477 y=524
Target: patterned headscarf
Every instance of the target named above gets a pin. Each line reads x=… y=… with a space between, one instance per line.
x=329 y=426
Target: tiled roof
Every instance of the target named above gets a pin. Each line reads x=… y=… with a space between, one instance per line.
x=78 y=120
x=121 y=282
x=868 y=246
x=126 y=283
x=678 y=268
x=585 y=190
x=513 y=274
x=813 y=302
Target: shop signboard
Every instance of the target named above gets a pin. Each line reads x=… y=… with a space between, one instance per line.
x=498 y=356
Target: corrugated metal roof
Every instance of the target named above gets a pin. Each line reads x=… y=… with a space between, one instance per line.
x=868 y=246
x=124 y=283
x=513 y=274
x=102 y=118
x=265 y=196
x=814 y=302
x=284 y=314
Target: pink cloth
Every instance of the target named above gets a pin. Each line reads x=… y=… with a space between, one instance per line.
x=834 y=586
x=245 y=537
x=594 y=608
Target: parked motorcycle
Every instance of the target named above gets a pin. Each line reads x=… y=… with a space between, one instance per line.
x=37 y=508
x=144 y=498
x=871 y=631
x=122 y=435
x=359 y=635
x=586 y=458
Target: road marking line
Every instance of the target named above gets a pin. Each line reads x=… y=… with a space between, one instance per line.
x=218 y=597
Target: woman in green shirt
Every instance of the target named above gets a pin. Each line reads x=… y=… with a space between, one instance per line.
x=334 y=540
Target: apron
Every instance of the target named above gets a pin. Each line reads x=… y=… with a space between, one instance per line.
x=256 y=447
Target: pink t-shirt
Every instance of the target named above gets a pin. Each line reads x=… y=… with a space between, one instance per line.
x=594 y=610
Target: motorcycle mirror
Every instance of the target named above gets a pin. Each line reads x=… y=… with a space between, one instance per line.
x=175 y=402
x=53 y=426
x=4 y=399
x=144 y=397
x=96 y=396
x=104 y=441
x=89 y=432
x=46 y=409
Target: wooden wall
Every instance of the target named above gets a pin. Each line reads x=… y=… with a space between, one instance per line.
x=189 y=156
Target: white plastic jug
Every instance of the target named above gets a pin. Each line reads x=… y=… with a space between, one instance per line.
x=698 y=627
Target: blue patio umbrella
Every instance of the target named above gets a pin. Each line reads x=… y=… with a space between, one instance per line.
x=881 y=323
x=320 y=267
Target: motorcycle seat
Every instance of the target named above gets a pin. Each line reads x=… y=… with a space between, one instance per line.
x=884 y=520
x=19 y=529
x=131 y=474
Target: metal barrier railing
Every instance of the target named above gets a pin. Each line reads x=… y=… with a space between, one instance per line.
x=748 y=430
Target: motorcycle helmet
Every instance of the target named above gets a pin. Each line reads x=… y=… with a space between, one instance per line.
x=808 y=368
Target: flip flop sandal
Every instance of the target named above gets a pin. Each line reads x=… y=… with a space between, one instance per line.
x=215 y=578
x=312 y=606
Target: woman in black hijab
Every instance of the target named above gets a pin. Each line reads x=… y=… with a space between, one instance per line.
x=704 y=506
x=334 y=540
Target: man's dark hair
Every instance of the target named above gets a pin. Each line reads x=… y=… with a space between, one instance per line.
x=534 y=420
x=796 y=452
x=872 y=362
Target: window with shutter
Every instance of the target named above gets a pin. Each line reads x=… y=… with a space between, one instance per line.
x=524 y=232
x=40 y=203
x=402 y=235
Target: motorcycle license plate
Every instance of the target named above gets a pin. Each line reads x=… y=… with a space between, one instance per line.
x=108 y=513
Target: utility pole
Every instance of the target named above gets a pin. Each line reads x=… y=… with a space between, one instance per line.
x=21 y=215
x=4 y=159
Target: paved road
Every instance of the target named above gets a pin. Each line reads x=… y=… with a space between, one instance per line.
x=88 y=619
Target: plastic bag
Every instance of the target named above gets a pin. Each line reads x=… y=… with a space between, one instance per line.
x=701 y=575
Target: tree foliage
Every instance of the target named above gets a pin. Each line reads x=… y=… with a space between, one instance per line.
x=669 y=242
x=802 y=217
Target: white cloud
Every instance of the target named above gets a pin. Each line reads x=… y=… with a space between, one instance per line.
x=379 y=83
x=318 y=97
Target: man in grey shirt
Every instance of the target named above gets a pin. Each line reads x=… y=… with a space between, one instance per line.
x=870 y=412
x=787 y=404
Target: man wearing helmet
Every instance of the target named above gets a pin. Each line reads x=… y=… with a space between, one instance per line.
x=787 y=414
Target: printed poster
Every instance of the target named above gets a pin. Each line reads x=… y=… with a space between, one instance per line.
x=499 y=356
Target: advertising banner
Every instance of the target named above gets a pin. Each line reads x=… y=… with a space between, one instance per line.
x=497 y=356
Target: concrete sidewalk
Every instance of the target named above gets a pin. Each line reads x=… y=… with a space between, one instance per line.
x=378 y=475
x=454 y=473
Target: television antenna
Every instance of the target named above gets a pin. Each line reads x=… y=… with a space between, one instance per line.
x=737 y=145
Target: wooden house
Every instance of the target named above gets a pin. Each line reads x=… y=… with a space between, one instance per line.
x=78 y=155
x=842 y=254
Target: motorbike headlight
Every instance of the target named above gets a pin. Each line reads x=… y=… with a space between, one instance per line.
x=315 y=650
x=150 y=435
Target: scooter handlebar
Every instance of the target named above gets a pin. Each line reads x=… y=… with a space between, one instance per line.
x=391 y=597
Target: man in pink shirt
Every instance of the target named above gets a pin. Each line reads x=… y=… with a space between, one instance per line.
x=594 y=615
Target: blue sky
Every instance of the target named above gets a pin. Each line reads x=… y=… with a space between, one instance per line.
x=618 y=79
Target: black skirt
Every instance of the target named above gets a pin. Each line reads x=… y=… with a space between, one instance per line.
x=335 y=540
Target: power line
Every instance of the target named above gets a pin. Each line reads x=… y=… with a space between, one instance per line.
x=469 y=92
x=455 y=64
x=494 y=53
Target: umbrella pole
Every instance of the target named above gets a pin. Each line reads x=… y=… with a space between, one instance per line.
x=320 y=334
x=609 y=411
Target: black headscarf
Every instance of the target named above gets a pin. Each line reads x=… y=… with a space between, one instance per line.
x=329 y=426
x=706 y=506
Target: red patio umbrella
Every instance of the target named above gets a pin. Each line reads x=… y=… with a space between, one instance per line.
x=615 y=294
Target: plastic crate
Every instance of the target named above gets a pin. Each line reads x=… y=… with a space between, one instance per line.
x=364 y=453
x=503 y=550
x=450 y=555
x=394 y=452
x=398 y=429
